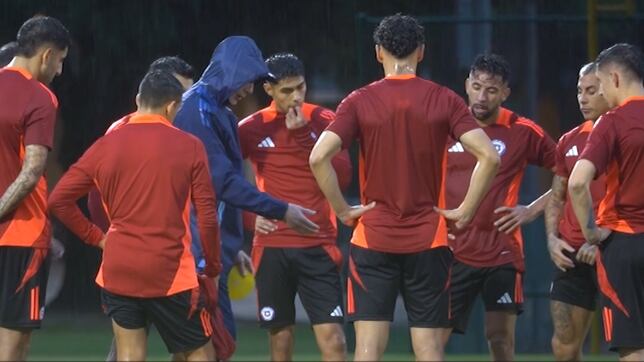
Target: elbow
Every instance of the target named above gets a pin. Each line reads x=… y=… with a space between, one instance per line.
x=493 y=159
x=577 y=186
x=316 y=159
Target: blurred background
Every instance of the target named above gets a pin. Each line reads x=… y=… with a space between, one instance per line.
x=545 y=41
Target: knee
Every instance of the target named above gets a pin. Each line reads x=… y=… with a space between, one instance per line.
x=500 y=337
x=334 y=342
x=282 y=338
x=565 y=347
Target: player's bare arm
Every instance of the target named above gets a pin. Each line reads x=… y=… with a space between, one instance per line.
x=32 y=169
x=553 y=212
x=582 y=203
x=520 y=214
x=328 y=145
x=478 y=144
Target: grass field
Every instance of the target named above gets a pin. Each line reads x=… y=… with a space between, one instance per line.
x=88 y=339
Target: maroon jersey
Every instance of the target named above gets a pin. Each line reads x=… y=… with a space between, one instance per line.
x=280 y=158
x=616 y=147
x=519 y=142
x=402 y=124
x=27 y=117
x=569 y=148
x=148 y=173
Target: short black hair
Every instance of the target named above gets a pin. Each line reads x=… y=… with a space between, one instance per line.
x=283 y=65
x=174 y=65
x=159 y=88
x=628 y=56
x=399 y=34
x=493 y=64
x=41 y=30
x=7 y=52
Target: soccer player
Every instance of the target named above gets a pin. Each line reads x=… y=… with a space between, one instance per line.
x=399 y=244
x=27 y=118
x=573 y=293
x=278 y=140
x=235 y=65
x=489 y=252
x=615 y=147
x=148 y=273
x=7 y=52
x=184 y=73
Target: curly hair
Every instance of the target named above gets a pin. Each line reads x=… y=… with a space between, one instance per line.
x=493 y=64
x=399 y=34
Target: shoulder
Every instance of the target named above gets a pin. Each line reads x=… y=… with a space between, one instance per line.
x=526 y=125
x=317 y=113
x=43 y=95
x=253 y=119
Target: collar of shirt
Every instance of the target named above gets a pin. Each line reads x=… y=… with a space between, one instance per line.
x=149 y=118
x=25 y=73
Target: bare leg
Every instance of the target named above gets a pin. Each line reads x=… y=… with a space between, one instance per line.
x=371 y=340
x=631 y=354
x=131 y=344
x=203 y=353
x=429 y=343
x=331 y=341
x=14 y=344
x=281 y=343
x=499 y=331
x=571 y=325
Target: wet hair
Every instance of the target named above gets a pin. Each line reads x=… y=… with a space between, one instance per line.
x=627 y=56
x=493 y=64
x=587 y=69
x=399 y=34
x=284 y=65
x=159 y=88
x=7 y=52
x=41 y=30
x=174 y=65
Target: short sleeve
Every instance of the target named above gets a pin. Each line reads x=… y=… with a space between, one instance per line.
x=560 y=159
x=40 y=120
x=601 y=144
x=461 y=120
x=346 y=121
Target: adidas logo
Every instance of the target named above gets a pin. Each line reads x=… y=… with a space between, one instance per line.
x=266 y=142
x=337 y=312
x=505 y=299
x=458 y=147
x=572 y=152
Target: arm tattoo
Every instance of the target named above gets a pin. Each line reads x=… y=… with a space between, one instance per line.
x=555 y=205
x=32 y=169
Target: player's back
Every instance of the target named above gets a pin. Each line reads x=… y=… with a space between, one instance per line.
x=403 y=123
x=145 y=174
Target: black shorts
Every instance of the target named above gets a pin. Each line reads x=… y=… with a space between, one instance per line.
x=576 y=286
x=312 y=273
x=181 y=319
x=501 y=288
x=620 y=274
x=23 y=283
x=376 y=278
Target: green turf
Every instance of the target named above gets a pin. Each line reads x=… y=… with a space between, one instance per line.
x=88 y=339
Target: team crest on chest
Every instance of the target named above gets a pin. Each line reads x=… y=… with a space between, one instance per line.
x=499 y=146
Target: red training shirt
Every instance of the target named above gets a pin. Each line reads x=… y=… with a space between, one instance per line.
x=147 y=173
x=280 y=158
x=27 y=117
x=519 y=142
x=402 y=124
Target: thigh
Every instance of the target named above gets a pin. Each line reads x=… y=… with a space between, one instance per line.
x=465 y=285
x=131 y=344
x=503 y=289
x=275 y=281
x=181 y=319
x=570 y=322
x=23 y=282
x=373 y=285
x=576 y=286
x=425 y=288
x=318 y=284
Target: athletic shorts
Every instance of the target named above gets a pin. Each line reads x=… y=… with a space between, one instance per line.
x=181 y=319
x=312 y=273
x=501 y=288
x=576 y=286
x=23 y=283
x=376 y=278
x=620 y=274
